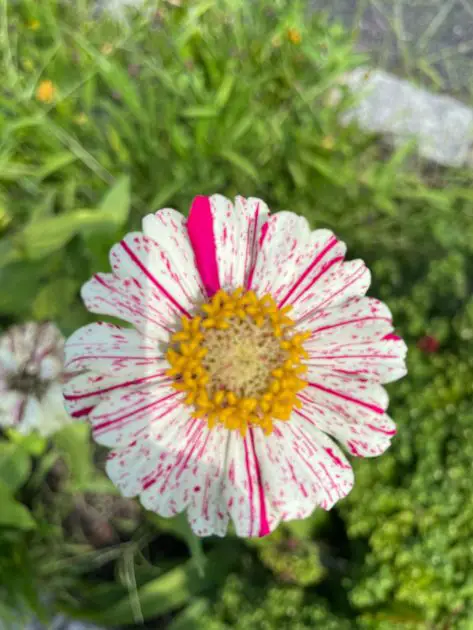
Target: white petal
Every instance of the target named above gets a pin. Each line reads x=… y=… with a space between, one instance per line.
x=351 y=410
x=32 y=418
x=354 y=339
x=124 y=415
x=55 y=416
x=111 y=349
x=139 y=304
x=282 y=477
x=237 y=229
x=12 y=404
x=116 y=360
x=176 y=467
x=168 y=228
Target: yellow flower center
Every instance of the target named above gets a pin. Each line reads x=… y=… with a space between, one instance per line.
x=239 y=362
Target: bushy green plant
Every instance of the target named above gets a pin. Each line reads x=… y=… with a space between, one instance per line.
x=415 y=506
x=248 y=599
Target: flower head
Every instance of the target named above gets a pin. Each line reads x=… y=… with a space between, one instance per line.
x=294 y=36
x=253 y=352
x=31 y=364
x=428 y=344
x=46 y=91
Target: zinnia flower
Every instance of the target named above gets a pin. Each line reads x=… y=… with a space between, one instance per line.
x=252 y=347
x=31 y=364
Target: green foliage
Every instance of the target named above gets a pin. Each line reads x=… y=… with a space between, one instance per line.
x=417 y=517
x=292 y=559
x=246 y=600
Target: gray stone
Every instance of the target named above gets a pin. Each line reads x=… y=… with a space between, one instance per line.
x=441 y=125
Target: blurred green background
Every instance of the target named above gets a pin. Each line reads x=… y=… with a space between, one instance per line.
x=104 y=121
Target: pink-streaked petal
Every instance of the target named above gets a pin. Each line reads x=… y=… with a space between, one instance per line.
x=355 y=321
x=355 y=339
x=156 y=271
x=188 y=474
x=344 y=390
x=31 y=343
x=289 y=255
x=381 y=361
x=90 y=385
x=238 y=230
x=178 y=464
x=168 y=227
x=104 y=359
x=226 y=239
x=353 y=411
x=124 y=415
x=110 y=349
x=283 y=476
x=338 y=283
x=134 y=301
x=49 y=347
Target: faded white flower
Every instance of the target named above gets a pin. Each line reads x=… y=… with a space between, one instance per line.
x=31 y=372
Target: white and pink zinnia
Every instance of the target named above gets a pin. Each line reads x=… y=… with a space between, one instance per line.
x=31 y=375
x=175 y=461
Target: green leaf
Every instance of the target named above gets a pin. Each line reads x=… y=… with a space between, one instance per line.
x=73 y=443
x=164 y=194
x=240 y=162
x=46 y=206
x=297 y=174
x=13 y=513
x=113 y=212
x=15 y=275
x=179 y=527
x=168 y=592
x=15 y=466
x=116 y=204
x=12 y=171
x=54 y=298
x=323 y=167
x=41 y=238
x=200 y=111
x=225 y=90
x=188 y=619
x=301 y=529
x=55 y=163
x=34 y=444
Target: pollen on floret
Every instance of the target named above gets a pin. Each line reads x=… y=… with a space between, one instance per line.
x=238 y=362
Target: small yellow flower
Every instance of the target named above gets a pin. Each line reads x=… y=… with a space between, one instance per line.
x=34 y=25
x=46 y=91
x=328 y=143
x=107 y=48
x=81 y=119
x=294 y=36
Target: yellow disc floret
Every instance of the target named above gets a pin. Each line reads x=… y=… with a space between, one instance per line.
x=238 y=361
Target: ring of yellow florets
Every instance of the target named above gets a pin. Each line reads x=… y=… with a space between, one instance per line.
x=244 y=342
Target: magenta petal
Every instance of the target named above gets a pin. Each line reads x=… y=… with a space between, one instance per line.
x=202 y=238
